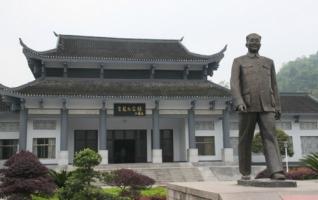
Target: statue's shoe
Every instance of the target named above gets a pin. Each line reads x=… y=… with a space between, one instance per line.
x=278 y=176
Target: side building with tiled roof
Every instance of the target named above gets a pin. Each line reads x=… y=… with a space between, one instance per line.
x=299 y=121
x=133 y=101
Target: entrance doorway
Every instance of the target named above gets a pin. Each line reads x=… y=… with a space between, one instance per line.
x=166 y=144
x=127 y=146
x=85 y=139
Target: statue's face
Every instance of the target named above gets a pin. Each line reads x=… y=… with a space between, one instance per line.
x=253 y=44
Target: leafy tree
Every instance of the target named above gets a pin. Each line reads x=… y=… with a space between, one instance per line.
x=300 y=75
x=79 y=186
x=129 y=181
x=23 y=176
x=257 y=145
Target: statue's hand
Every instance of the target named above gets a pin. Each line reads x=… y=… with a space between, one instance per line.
x=277 y=114
x=241 y=108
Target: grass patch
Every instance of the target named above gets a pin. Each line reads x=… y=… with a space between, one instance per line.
x=115 y=191
x=148 y=192
x=42 y=198
x=154 y=192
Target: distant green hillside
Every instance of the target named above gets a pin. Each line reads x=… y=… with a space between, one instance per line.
x=300 y=75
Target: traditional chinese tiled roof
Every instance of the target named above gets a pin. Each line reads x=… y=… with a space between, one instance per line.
x=122 y=88
x=123 y=49
x=298 y=103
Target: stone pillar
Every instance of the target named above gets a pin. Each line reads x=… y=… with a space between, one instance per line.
x=63 y=157
x=227 y=151
x=102 y=135
x=156 y=151
x=192 y=151
x=23 y=126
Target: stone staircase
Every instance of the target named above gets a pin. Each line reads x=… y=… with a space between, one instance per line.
x=184 y=172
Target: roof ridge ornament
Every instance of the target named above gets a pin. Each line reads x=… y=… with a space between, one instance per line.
x=56 y=34
x=22 y=43
x=181 y=39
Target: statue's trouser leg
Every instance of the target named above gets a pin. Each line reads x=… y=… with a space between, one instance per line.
x=246 y=133
x=270 y=144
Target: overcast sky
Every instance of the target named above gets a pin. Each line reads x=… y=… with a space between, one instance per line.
x=289 y=28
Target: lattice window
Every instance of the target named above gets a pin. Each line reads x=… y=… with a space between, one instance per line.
x=44 y=124
x=307 y=125
x=205 y=145
x=8 y=148
x=204 y=125
x=44 y=147
x=9 y=126
x=284 y=125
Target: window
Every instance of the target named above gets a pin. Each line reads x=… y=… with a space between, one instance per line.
x=284 y=125
x=234 y=126
x=44 y=124
x=205 y=145
x=8 y=148
x=308 y=125
x=9 y=126
x=44 y=147
x=204 y=125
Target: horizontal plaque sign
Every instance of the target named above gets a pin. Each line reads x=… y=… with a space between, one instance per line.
x=129 y=109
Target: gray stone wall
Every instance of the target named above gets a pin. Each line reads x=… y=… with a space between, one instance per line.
x=309 y=144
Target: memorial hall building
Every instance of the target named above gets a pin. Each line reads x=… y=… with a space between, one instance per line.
x=133 y=101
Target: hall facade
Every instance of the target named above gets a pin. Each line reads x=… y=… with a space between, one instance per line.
x=132 y=100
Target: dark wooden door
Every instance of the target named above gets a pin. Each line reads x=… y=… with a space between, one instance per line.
x=166 y=144
x=85 y=139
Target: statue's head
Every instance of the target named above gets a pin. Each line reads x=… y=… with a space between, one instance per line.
x=253 y=42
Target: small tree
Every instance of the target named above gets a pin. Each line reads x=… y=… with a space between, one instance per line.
x=257 y=145
x=23 y=176
x=129 y=181
x=79 y=184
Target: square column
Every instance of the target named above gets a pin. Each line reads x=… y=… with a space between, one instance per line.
x=102 y=135
x=192 y=152
x=23 y=126
x=156 y=151
x=63 y=157
x=227 y=151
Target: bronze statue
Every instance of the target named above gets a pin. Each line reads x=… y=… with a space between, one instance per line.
x=255 y=97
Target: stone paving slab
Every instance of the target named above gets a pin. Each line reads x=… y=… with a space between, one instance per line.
x=229 y=190
x=300 y=197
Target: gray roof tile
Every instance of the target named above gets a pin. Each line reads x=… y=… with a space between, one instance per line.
x=122 y=87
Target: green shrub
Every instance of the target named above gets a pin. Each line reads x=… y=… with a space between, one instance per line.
x=311 y=161
x=79 y=184
x=59 y=178
x=257 y=145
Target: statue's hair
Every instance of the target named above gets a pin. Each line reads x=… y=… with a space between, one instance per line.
x=253 y=35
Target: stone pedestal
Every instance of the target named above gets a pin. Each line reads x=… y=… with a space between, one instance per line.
x=104 y=155
x=157 y=156
x=267 y=183
x=227 y=155
x=63 y=158
x=193 y=155
x=229 y=190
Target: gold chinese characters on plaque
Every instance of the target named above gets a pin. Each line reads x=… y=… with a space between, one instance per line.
x=129 y=109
